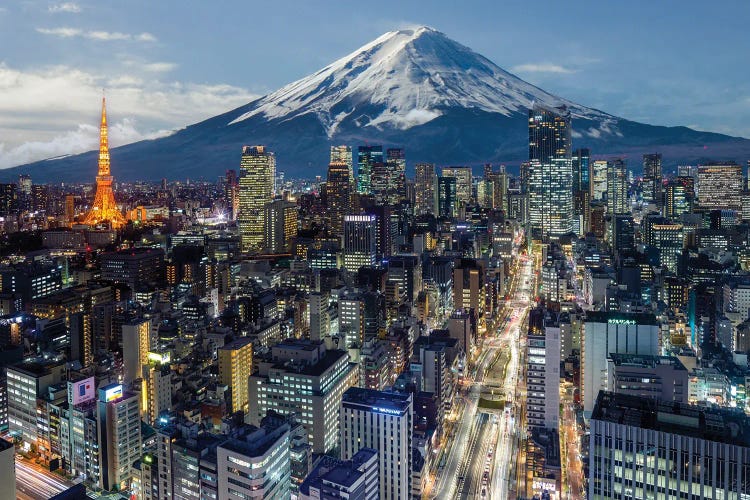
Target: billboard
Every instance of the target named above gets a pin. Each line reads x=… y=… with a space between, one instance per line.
x=82 y=390
x=113 y=392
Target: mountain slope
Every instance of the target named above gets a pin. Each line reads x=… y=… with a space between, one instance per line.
x=412 y=88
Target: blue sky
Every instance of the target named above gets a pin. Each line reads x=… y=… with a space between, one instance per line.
x=168 y=63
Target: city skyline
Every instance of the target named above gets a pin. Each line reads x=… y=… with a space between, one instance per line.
x=143 y=66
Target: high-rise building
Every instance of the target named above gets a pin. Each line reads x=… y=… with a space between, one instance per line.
x=343 y=154
x=678 y=198
x=339 y=187
x=550 y=182
x=257 y=186
x=720 y=186
x=119 y=435
x=646 y=448
x=599 y=174
x=396 y=166
x=543 y=370
x=104 y=208
x=355 y=479
x=652 y=178
x=8 y=199
x=134 y=267
x=468 y=286
x=231 y=194
x=367 y=157
x=235 y=366
x=498 y=189
x=425 y=183
x=255 y=464
x=581 y=165
x=617 y=187
x=136 y=335
x=668 y=238
x=446 y=203
x=360 y=244
x=463 y=183
x=280 y=221
x=26 y=382
x=383 y=421
x=302 y=377
x=605 y=333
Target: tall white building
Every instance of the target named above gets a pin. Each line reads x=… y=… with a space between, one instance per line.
x=543 y=372
x=302 y=377
x=605 y=333
x=382 y=421
x=255 y=464
x=119 y=427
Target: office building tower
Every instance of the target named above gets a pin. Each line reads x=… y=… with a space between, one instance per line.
x=396 y=168
x=382 y=421
x=617 y=187
x=463 y=183
x=235 y=366
x=25 y=383
x=656 y=377
x=468 y=286
x=256 y=188
x=668 y=238
x=425 y=184
x=355 y=479
x=581 y=166
x=8 y=199
x=136 y=335
x=119 y=435
x=720 y=187
x=446 y=202
x=280 y=221
x=134 y=267
x=599 y=173
x=645 y=448
x=550 y=181
x=605 y=333
x=678 y=198
x=651 y=186
x=367 y=157
x=231 y=194
x=302 y=377
x=255 y=463
x=339 y=195
x=319 y=319
x=351 y=320
x=498 y=188
x=543 y=370
x=360 y=245
x=623 y=233
x=157 y=386
x=7 y=464
x=343 y=154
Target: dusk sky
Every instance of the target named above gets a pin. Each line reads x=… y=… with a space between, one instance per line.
x=167 y=64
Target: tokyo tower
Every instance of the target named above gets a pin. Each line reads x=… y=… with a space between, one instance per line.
x=104 y=208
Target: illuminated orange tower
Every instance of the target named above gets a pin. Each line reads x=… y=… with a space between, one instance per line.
x=104 y=208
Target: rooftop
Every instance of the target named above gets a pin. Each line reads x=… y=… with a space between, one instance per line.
x=645 y=361
x=722 y=425
x=377 y=399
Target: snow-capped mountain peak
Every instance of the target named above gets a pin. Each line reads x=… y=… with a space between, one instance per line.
x=403 y=79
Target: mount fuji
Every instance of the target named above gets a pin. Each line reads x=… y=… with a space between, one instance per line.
x=413 y=88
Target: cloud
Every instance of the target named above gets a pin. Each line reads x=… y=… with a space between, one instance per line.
x=159 y=67
x=54 y=111
x=106 y=36
x=541 y=68
x=69 y=7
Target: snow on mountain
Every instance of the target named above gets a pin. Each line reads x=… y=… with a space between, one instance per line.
x=411 y=76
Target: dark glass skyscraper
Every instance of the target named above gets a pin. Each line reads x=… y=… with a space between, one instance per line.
x=652 y=178
x=367 y=157
x=581 y=190
x=446 y=196
x=550 y=176
x=338 y=194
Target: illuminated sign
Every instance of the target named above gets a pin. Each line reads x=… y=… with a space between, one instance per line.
x=615 y=321
x=81 y=391
x=112 y=393
x=387 y=411
x=159 y=357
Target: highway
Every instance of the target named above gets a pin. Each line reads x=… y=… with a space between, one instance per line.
x=33 y=482
x=481 y=452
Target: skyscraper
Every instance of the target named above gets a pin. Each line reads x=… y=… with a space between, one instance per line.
x=424 y=184
x=235 y=366
x=343 y=154
x=257 y=184
x=651 y=186
x=280 y=221
x=463 y=183
x=599 y=169
x=339 y=196
x=367 y=156
x=720 y=186
x=360 y=244
x=104 y=208
x=396 y=166
x=446 y=197
x=581 y=190
x=617 y=187
x=550 y=183
x=230 y=194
